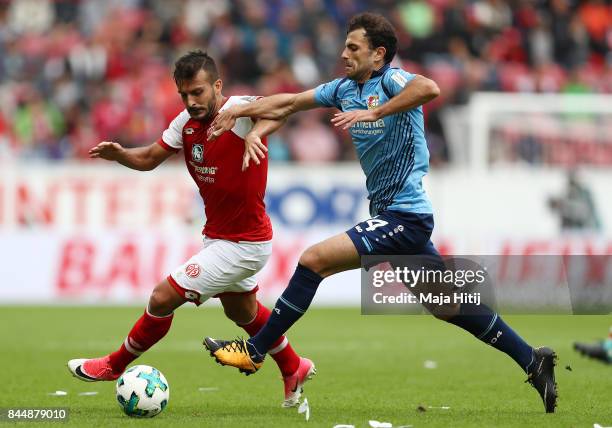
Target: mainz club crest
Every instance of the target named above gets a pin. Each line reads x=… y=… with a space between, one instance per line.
x=197 y=153
x=193 y=270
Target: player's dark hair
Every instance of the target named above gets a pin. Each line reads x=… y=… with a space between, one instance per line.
x=378 y=31
x=189 y=64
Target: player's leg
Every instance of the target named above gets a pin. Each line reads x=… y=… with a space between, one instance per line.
x=326 y=258
x=600 y=350
x=242 y=308
x=488 y=326
x=478 y=319
x=247 y=312
x=229 y=275
x=331 y=256
x=150 y=328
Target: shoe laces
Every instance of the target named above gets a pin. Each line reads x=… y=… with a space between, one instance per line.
x=237 y=345
x=537 y=369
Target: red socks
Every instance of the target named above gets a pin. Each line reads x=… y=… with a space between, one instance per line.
x=147 y=331
x=282 y=352
x=150 y=329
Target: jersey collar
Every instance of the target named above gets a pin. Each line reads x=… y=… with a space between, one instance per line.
x=380 y=71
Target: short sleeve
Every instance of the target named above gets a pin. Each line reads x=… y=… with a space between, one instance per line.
x=243 y=125
x=326 y=94
x=172 y=138
x=396 y=79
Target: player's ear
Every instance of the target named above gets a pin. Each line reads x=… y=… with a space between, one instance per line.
x=379 y=54
x=218 y=85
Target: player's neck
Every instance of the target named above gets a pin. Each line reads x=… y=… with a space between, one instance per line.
x=372 y=73
x=220 y=101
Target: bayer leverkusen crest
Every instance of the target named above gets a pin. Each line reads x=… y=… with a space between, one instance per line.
x=372 y=102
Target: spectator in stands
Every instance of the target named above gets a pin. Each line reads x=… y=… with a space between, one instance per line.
x=88 y=55
x=576 y=207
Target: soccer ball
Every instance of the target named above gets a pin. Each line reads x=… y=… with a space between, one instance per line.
x=142 y=391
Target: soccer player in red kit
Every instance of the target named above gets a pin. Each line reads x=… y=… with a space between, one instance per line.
x=237 y=233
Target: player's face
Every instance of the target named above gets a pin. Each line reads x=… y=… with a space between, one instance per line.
x=200 y=96
x=359 y=59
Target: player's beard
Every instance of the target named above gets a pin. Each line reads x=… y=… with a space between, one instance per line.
x=210 y=109
x=355 y=73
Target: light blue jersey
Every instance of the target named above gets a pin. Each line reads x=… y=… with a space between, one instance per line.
x=392 y=151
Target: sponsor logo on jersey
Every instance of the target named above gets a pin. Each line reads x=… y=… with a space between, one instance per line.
x=193 y=270
x=208 y=180
x=189 y=131
x=212 y=170
x=197 y=153
x=372 y=102
x=368 y=128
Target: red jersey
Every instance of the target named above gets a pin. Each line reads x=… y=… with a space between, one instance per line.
x=233 y=200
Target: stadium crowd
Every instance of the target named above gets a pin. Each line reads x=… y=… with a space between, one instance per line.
x=76 y=72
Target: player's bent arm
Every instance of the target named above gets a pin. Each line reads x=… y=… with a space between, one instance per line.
x=254 y=148
x=138 y=158
x=275 y=107
x=265 y=127
x=417 y=92
x=144 y=158
x=278 y=106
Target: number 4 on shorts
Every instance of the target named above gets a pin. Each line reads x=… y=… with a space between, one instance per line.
x=374 y=224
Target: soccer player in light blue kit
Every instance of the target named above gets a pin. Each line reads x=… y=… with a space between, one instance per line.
x=381 y=107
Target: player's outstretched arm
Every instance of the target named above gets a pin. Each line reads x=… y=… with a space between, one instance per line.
x=417 y=92
x=275 y=107
x=139 y=158
x=254 y=148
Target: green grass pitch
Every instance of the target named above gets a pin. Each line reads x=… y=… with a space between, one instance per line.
x=369 y=367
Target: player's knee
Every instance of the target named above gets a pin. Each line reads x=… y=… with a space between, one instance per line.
x=240 y=318
x=313 y=259
x=240 y=308
x=240 y=312
x=160 y=303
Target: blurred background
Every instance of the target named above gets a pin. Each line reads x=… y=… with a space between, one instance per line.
x=520 y=138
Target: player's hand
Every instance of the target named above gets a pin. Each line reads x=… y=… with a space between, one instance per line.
x=253 y=149
x=224 y=121
x=346 y=119
x=106 y=150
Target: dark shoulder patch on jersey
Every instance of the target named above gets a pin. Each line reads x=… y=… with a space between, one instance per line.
x=338 y=105
x=382 y=83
